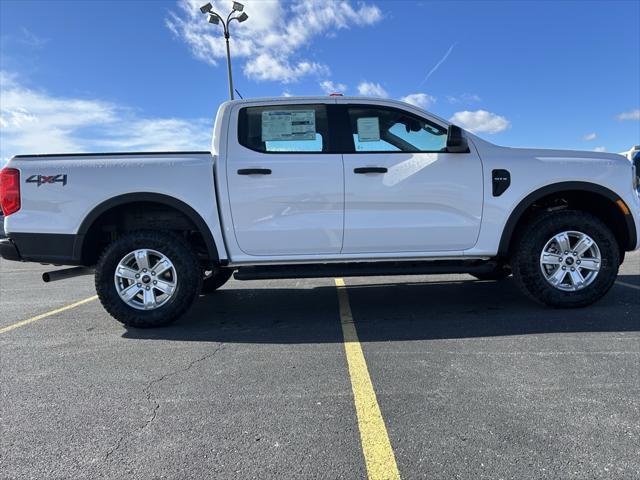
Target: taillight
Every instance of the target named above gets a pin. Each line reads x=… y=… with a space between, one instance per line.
x=10 y=190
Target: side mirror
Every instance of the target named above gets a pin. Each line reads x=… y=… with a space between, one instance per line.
x=456 y=143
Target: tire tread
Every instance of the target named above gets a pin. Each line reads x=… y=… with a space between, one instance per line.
x=529 y=244
x=183 y=258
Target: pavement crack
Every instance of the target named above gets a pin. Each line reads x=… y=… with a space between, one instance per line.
x=155 y=405
x=148 y=388
x=114 y=448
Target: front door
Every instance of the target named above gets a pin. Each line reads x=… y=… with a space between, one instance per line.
x=285 y=189
x=403 y=193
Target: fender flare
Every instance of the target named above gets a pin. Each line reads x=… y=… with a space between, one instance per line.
x=167 y=200
x=526 y=202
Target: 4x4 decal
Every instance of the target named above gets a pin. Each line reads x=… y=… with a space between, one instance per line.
x=42 y=179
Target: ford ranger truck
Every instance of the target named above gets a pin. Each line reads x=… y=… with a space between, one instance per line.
x=317 y=187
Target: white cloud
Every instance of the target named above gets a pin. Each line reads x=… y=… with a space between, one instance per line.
x=589 y=136
x=600 y=149
x=158 y=134
x=421 y=100
x=480 y=121
x=268 y=67
x=370 y=89
x=328 y=86
x=464 y=98
x=269 y=42
x=34 y=121
x=28 y=38
x=631 y=115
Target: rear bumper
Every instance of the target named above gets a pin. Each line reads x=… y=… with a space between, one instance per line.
x=58 y=249
x=9 y=251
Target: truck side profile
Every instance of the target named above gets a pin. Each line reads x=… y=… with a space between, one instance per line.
x=323 y=186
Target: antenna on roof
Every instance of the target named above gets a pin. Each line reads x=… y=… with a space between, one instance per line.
x=236 y=90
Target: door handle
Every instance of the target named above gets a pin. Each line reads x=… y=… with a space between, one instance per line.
x=370 y=170
x=254 y=171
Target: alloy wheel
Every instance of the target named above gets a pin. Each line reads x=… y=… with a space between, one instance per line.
x=570 y=261
x=145 y=279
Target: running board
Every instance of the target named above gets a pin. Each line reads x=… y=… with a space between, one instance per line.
x=363 y=269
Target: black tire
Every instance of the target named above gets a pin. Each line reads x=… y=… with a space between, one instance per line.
x=218 y=278
x=500 y=273
x=187 y=268
x=525 y=260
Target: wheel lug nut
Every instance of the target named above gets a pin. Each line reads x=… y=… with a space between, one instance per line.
x=155 y=283
x=148 y=288
x=564 y=268
x=137 y=275
x=566 y=252
x=573 y=269
x=144 y=269
x=139 y=284
x=578 y=262
x=153 y=273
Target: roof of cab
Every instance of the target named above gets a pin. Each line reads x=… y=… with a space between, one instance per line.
x=318 y=98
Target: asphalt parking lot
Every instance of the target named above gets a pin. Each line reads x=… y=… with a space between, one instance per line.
x=471 y=380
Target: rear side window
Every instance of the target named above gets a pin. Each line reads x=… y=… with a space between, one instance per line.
x=383 y=129
x=284 y=128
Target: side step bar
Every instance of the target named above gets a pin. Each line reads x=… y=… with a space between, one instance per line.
x=363 y=269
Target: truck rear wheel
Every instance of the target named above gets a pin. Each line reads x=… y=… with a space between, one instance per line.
x=214 y=279
x=148 y=278
x=566 y=259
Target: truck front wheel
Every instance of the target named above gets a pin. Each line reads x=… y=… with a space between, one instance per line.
x=566 y=258
x=148 y=278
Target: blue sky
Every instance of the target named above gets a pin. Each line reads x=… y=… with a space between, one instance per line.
x=139 y=75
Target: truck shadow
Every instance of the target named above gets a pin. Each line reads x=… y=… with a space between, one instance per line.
x=260 y=312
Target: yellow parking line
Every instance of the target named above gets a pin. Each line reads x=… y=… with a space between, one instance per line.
x=46 y=314
x=378 y=454
x=625 y=284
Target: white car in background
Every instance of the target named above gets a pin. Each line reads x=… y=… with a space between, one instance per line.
x=632 y=153
x=634 y=156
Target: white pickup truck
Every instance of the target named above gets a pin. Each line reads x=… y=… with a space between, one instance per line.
x=322 y=186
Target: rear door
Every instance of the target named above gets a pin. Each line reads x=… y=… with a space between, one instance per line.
x=403 y=192
x=286 y=190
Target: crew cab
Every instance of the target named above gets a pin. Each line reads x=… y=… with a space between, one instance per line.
x=322 y=186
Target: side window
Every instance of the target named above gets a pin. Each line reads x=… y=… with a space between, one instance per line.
x=381 y=129
x=284 y=128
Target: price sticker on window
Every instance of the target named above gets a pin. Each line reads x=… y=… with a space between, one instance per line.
x=368 y=129
x=281 y=125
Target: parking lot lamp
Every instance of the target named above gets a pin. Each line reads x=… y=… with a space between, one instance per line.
x=215 y=18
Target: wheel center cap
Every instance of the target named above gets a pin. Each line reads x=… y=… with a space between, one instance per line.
x=146 y=279
x=569 y=261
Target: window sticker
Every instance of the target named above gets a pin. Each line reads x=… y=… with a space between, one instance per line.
x=279 y=125
x=368 y=129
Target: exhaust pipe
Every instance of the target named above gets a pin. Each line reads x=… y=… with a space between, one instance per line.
x=66 y=273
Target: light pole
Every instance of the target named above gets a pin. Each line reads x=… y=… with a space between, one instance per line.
x=215 y=18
